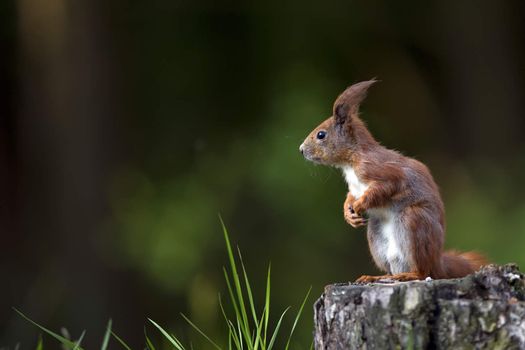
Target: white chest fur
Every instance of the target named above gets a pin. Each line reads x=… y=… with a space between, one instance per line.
x=392 y=234
x=355 y=186
x=391 y=231
x=391 y=241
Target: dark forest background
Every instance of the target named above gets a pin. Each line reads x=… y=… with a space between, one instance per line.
x=127 y=126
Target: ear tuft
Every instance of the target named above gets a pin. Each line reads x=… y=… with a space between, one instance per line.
x=349 y=101
x=340 y=114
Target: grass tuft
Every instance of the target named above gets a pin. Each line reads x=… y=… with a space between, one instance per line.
x=247 y=329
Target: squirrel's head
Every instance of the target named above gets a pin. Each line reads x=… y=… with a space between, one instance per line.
x=335 y=140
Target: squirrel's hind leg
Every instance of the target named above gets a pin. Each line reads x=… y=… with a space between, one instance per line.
x=402 y=277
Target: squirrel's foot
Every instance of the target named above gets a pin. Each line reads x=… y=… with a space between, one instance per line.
x=354 y=219
x=402 y=277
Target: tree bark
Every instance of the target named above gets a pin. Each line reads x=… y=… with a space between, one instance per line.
x=485 y=310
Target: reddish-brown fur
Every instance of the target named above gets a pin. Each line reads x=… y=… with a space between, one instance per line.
x=394 y=181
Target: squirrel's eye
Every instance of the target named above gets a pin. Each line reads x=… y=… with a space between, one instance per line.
x=321 y=135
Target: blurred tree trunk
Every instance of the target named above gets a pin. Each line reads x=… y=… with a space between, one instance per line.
x=63 y=140
x=485 y=310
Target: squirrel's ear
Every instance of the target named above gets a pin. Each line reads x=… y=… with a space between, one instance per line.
x=348 y=102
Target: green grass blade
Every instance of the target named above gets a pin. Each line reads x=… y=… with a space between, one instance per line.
x=65 y=333
x=77 y=344
x=234 y=302
x=40 y=344
x=240 y=338
x=248 y=288
x=231 y=328
x=258 y=335
x=179 y=342
x=222 y=309
x=276 y=331
x=66 y=342
x=171 y=339
x=124 y=345
x=105 y=341
x=149 y=344
x=243 y=330
x=297 y=318
x=230 y=291
x=237 y=283
x=201 y=332
x=237 y=338
x=267 y=305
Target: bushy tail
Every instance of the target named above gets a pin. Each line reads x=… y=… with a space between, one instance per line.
x=456 y=264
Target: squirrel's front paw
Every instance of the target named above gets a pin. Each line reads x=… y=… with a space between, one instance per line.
x=354 y=219
x=358 y=206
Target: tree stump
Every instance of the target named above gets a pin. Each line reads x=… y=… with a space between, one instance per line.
x=485 y=310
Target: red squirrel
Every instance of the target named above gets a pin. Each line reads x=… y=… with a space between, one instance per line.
x=404 y=211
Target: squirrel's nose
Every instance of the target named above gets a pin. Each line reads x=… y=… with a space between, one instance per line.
x=301 y=148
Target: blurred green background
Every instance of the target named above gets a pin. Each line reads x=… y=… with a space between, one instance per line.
x=127 y=126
